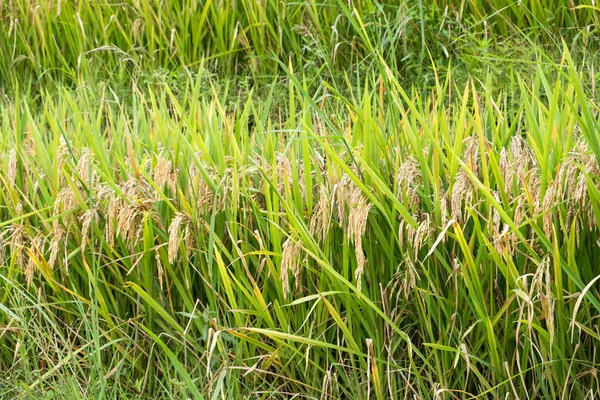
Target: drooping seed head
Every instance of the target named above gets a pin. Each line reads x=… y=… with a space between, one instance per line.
x=523 y=155
x=18 y=243
x=543 y=284
x=462 y=195
x=35 y=254
x=164 y=174
x=12 y=167
x=506 y=171
x=409 y=178
x=59 y=236
x=179 y=231
x=85 y=167
x=410 y=276
x=160 y=271
x=424 y=231
x=86 y=219
x=321 y=217
x=471 y=154
x=291 y=259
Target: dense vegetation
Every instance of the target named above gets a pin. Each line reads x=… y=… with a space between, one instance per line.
x=325 y=200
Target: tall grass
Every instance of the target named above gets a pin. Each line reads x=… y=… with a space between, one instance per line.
x=79 y=40
x=389 y=244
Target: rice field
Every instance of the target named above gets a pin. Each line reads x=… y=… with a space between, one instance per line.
x=285 y=200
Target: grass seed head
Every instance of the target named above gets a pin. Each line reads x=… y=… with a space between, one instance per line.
x=291 y=259
x=283 y=172
x=357 y=224
x=165 y=175
x=12 y=167
x=18 y=243
x=87 y=218
x=497 y=235
x=112 y=216
x=424 y=231
x=130 y=222
x=204 y=194
x=462 y=195
x=179 y=231
x=410 y=276
x=36 y=252
x=59 y=235
x=65 y=202
x=523 y=155
x=321 y=217
x=554 y=195
x=543 y=284
x=444 y=214
x=159 y=268
x=62 y=153
x=409 y=178
x=506 y=170
x=359 y=208
x=85 y=168
x=341 y=191
x=471 y=154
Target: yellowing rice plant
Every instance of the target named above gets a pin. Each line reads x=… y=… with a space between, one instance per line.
x=336 y=235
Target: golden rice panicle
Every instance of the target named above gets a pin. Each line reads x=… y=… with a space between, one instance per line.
x=410 y=277
x=179 y=231
x=521 y=208
x=61 y=155
x=200 y=190
x=543 y=285
x=359 y=208
x=406 y=233
x=506 y=171
x=358 y=213
x=340 y=195
x=361 y=260
x=321 y=217
x=59 y=235
x=516 y=161
x=523 y=156
x=497 y=235
x=291 y=261
x=130 y=223
x=36 y=253
x=160 y=271
x=471 y=155
x=571 y=175
x=85 y=167
x=424 y=231
x=444 y=208
x=18 y=244
x=409 y=172
x=283 y=172
x=581 y=207
x=408 y=179
x=126 y=213
x=554 y=194
x=12 y=167
x=65 y=203
x=462 y=196
x=86 y=219
x=205 y=196
x=164 y=174
x=4 y=245
x=112 y=214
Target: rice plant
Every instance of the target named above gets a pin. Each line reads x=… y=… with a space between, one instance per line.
x=326 y=233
